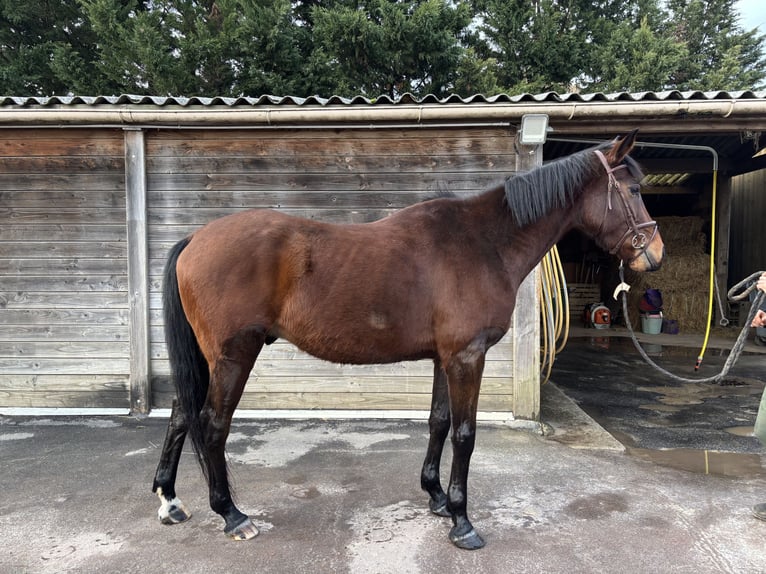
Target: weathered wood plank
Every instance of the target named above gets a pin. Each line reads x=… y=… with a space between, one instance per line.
x=138 y=284
x=349 y=143
x=307 y=367
x=65 y=215
x=54 y=199
x=63 y=366
x=44 y=350
x=69 y=333
x=64 y=399
x=351 y=384
x=436 y=182
x=526 y=322
x=50 y=249
x=328 y=163
x=64 y=383
x=242 y=200
x=48 y=143
x=44 y=300
x=74 y=283
x=107 y=181
x=71 y=317
x=67 y=265
x=63 y=164
x=64 y=232
x=355 y=401
x=201 y=216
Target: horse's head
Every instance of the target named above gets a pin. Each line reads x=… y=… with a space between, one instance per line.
x=614 y=213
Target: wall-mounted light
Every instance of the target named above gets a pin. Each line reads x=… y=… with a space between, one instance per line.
x=534 y=129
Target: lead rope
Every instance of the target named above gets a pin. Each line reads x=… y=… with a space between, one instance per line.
x=736 y=350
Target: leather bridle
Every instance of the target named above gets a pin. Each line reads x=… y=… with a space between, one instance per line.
x=639 y=241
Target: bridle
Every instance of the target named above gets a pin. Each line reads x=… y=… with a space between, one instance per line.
x=639 y=240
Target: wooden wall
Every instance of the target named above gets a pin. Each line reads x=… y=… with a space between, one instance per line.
x=63 y=293
x=332 y=175
x=69 y=326
x=747 y=232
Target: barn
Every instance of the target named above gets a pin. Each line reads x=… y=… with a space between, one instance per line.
x=93 y=192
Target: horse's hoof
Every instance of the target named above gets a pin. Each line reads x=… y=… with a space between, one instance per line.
x=439 y=508
x=468 y=541
x=245 y=530
x=173 y=511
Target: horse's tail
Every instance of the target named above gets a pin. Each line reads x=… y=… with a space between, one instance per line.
x=188 y=366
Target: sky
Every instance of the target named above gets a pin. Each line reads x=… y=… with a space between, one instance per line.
x=752 y=14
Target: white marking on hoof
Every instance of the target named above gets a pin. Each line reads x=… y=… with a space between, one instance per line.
x=171 y=511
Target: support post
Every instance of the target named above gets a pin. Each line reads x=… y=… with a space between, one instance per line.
x=138 y=282
x=526 y=319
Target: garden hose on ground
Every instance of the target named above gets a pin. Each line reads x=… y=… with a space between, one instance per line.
x=737 y=293
x=554 y=311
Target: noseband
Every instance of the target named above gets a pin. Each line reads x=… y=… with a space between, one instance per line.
x=639 y=240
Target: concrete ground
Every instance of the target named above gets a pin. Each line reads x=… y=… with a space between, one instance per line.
x=336 y=496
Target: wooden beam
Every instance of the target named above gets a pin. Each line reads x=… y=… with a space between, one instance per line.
x=526 y=320
x=138 y=284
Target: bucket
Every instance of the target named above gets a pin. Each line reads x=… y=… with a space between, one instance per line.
x=651 y=324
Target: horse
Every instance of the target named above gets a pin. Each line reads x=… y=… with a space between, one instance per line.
x=435 y=280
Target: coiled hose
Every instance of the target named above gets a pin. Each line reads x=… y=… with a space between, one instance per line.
x=554 y=311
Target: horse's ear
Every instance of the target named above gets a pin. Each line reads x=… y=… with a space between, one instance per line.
x=621 y=147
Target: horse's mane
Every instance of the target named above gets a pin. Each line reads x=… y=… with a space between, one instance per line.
x=533 y=194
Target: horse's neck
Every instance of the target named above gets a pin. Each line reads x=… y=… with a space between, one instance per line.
x=523 y=248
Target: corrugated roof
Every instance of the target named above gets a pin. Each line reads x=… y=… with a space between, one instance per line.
x=405 y=99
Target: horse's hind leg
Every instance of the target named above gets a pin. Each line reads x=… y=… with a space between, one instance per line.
x=438 y=426
x=172 y=510
x=229 y=375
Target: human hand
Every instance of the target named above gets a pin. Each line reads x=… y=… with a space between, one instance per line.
x=762 y=283
x=760 y=319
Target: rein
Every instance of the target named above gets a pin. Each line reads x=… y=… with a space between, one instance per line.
x=639 y=240
x=739 y=344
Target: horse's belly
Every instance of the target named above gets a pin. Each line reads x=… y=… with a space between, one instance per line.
x=359 y=344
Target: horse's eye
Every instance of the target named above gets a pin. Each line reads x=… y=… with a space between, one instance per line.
x=635 y=189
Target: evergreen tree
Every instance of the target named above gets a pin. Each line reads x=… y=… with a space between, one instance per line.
x=721 y=55
x=373 y=47
x=38 y=40
x=389 y=47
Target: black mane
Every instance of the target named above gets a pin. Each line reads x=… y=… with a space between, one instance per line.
x=533 y=194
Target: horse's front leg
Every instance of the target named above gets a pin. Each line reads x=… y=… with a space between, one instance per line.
x=172 y=510
x=464 y=375
x=438 y=426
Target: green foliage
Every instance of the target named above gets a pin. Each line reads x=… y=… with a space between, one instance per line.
x=383 y=47
x=39 y=39
x=721 y=56
x=373 y=47
x=637 y=60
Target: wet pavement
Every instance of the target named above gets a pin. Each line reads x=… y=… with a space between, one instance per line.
x=344 y=496
x=643 y=408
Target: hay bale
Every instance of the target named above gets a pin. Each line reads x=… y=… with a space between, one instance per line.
x=682 y=280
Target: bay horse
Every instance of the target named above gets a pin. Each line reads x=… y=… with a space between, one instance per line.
x=436 y=280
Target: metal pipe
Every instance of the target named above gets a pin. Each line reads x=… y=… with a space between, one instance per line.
x=689 y=147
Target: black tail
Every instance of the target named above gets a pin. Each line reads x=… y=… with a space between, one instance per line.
x=188 y=367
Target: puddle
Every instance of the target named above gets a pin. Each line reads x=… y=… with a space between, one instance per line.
x=740 y=431
x=703 y=461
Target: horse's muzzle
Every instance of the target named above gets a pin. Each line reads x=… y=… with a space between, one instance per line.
x=650 y=258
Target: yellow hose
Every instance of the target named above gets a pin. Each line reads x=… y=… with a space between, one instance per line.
x=712 y=276
x=554 y=311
